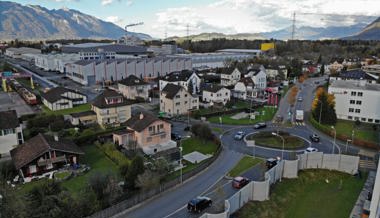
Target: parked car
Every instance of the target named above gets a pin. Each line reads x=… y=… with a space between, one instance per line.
x=310 y=150
x=198 y=204
x=239 y=135
x=176 y=136
x=314 y=138
x=259 y=125
x=279 y=118
x=299 y=99
x=271 y=162
x=239 y=182
x=316 y=82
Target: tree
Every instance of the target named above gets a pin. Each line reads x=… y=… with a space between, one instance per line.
x=322 y=71
x=105 y=188
x=202 y=131
x=319 y=59
x=148 y=180
x=326 y=102
x=136 y=168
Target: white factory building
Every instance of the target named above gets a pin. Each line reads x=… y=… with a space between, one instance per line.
x=91 y=72
x=20 y=52
x=356 y=100
x=216 y=59
x=54 y=62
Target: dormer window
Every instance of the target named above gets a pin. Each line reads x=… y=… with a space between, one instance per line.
x=114 y=100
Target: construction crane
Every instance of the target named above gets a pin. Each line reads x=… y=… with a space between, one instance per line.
x=131 y=40
x=133 y=24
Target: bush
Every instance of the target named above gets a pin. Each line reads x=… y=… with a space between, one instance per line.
x=115 y=155
x=202 y=131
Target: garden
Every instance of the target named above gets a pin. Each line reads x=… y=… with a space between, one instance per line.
x=261 y=114
x=267 y=139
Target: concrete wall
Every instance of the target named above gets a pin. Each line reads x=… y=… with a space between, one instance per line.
x=259 y=190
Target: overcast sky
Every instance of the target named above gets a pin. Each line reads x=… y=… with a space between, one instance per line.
x=226 y=16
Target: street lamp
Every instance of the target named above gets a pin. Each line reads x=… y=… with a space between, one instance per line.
x=352 y=136
x=333 y=149
x=347 y=141
x=283 y=144
x=320 y=111
x=180 y=154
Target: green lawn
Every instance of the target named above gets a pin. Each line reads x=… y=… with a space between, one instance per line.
x=76 y=109
x=61 y=175
x=364 y=131
x=98 y=162
x=196 y=144
x=243 y=165
x=308 y=196
x=216 y=129
x=268 y=140
x=226 y=119
x=236 y=105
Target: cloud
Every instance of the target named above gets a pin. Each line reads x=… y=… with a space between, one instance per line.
x=106 y=2
x=116 y=20
x=239 y=16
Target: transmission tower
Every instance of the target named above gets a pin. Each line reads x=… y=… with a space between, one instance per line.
x=294 y=25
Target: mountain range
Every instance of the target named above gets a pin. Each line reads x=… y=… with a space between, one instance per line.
x=33 y=22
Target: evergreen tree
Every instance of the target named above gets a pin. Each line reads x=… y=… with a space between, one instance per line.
x=136 y=168
x=322 y=71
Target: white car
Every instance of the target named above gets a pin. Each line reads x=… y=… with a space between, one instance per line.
x=239 y=135
x=310 y=150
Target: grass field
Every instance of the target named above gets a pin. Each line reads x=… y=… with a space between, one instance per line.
x=196 y=144
x=308 y=196
x=268 y=140
x=76 y=109
x=98 y=162
x=269 y=112
x=243 y=165
x=216 y=129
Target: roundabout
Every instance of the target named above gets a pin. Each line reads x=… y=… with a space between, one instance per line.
x=274 y=140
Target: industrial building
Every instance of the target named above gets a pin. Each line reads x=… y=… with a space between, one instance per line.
x=18 y=52
x=356 y=100
x=121 y=49
x=91 y=72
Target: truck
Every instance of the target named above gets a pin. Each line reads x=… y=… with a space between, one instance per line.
x=299 y=115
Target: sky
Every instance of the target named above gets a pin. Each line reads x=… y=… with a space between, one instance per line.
x=174 y=17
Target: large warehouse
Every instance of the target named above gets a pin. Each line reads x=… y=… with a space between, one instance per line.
x=106 y=47
x=91 y=72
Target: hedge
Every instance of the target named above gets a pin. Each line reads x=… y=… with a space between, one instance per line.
x=342 y=137
x=115 y=155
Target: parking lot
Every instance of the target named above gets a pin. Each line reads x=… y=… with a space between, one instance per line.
x=12 y=101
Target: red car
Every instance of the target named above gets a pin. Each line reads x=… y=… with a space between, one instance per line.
x=239 y=182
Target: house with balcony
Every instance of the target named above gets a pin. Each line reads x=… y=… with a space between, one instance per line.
x=244 y=88
x=111 y=108
x=230 y=76
x=60 y=98
x=259 y=78
x=148 y=133
x=215 y=94
x=10 y=132
x=176 y=100
x=43 y=153
x=133 y=87
x=185 y=78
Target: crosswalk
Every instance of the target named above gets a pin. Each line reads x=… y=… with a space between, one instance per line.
x=299 y=124
x=367 y=164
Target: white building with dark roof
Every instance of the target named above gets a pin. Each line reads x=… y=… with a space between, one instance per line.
x=60 y=98
x=230 y=76
x=216 y=94
x=185 y=78
x=10 y=132
x=133 y=87
x=356 y=100
x=176 y=100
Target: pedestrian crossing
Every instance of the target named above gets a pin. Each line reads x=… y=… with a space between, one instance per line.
x=367 y=164
x=299 y=124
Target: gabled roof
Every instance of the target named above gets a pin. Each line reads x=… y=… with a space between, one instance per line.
x=55 y=94
x=100 y=101
x=141 y=121
x=171 y=90
x=247 y=81
x=213 y=88
x=38 y=145
x=183 y=75
x=254 y=72
x=8 y=120
x=229 y=70
x=132 y=80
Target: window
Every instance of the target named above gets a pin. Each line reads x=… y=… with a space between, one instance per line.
x=163 y=136
x=352 y=101
x=177 y=96
x=359 y=102
x=185 y=102
x=377 y=121
x=357 y=111
x=226 y=93
x=185 y=95
x=350 y=117
x=178 y=103
x=148 y=139
x=370 y=120
x=161 y=126
x=350 y=110
x=8 y=131
x=360 y=94
x=364 y=119
x=212 y=94
x=353 y=93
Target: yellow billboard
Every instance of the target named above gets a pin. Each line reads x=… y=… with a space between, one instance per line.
x=267 y=46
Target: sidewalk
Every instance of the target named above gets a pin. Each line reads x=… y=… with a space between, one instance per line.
x=362 y=199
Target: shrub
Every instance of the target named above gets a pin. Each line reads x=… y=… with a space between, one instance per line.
x=202 y=131
x=115 y=155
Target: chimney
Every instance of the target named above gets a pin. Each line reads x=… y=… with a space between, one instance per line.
x=56 y=138
x=141 y=116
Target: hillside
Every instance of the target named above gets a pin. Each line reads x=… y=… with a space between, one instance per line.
x=370 y=32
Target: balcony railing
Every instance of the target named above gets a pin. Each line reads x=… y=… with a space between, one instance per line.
x=51 y=161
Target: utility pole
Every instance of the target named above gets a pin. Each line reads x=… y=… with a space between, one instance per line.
x=294 y=25
x=187 y=31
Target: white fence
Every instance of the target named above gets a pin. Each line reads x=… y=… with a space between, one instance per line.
x=259 y=190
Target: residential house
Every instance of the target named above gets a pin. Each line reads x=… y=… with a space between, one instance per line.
x=259 y=78
x=111 y=108
x=147 y=132
x=230 y=76
x=10 y=131
x=133 y=87
x=176 y=100
x=274 y=71
x=215 y=94
x=44 y=153
x=244 y=88
x=62 y=98
x=186 y=78
x=84 y=118
x=336 y=65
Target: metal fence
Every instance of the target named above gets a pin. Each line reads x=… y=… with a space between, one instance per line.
x=142 y=196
